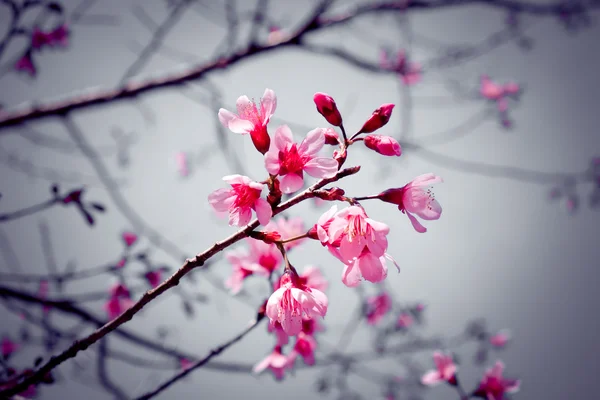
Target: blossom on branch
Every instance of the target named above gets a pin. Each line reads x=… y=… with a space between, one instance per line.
x=445 y=370
x=493 y=386
x=240 y=200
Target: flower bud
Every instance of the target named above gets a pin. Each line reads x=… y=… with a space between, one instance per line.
x=327 y=108
x=379 y=118
x=332 y=194
x=331 y=137
x=393 y=196
x=386 y=145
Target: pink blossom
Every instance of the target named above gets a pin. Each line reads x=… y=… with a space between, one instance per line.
x=405 y=320
x=378 y=307
x=311 y=326
x=184 y=363
x=153 y=277
x=445 y=370
x=293 y=301
x=115 y=306
x=262 y=259
x=413 y=198
x=500 y=339
x=305 y=346
x=366 y=266
x=331 y=137
x=25 y=64
x=182 y=164
x=319 y=230
x=250 y=119
x=311 y=277
x=129 y=238
x=7 y=346
x=276 y=328
x=498 y=93
x=121 y=263
x=327 y=108
x=385 y=145
x=287 y=159
x=59 y=36
x=276 y=361
x=240 y=200
x=39 y=38
x=289 y=228
x=379 y=118
x=409 y=72
x=494 y=385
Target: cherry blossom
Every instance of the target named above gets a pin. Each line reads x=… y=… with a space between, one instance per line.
x=290 y=160
x=409 y=72
x=305 y=347
x=129 y=238
x=500 y=339
x=445 y=370
x=280 y=335
x=293 y=301
x=378 y=307
x=250 y=119
x=384 y=145
x=493 y=386
x=240 y=200
x=276 y=362
x=8 y=347
x=261 y=259
x=153 y=277
x=118 y=301
x=25 y=64
x=413 y=198
x=288 y=228
x=405 y=320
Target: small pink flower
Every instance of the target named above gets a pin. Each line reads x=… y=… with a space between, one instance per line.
x=236 y=280
x=290 y=160
x=494 y=385
x=378 y=307
x=327 y=108
x=153 y=277
x=115 y=306
x=413 y=198
x=366 y=266
x=405 y=320
x=409 y=72
x=25 y=64
x=250 y=120
x=305 y=347
x=129 y=238
x=240 y=200
x=311 y=326
x=275 y=361
x=378 y=119
x=59 y=36
x=185 y=364
x=319 y=230
x=39 y=38
x=262 y=259
x=385 y=145
x=8 y=347
x=182 y=164
x=121 y=263
x=498 y=93
x=420 y=307
x=445 y=370
x=500 y=339
x=293 y=301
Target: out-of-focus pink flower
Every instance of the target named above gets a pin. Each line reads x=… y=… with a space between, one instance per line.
x=290 y=160
x=280 y=335
x=500 y=339
x=498 y=93
x=8 y=347
x=39 y=38
x=118 y=301
x=261 y=259
x=121 y=263
x=129 y=238
x=240 y=200
x=305 y=347
x=413 y=198
x=42 y=293
x=153 y=277
x=378 y=307
x=319 y=230
x=275 y=35
x=294 y=301
x=409 y=72
x=405 y=320
x=25 y=64
x=445 y=370
x=184 y=364
x=379 y=118
x=311 y=326
x=327 y=108
x=288 y=228
x=385 y=145
x=276 y=362
x=311 y=277
x=182 y=164
x=250 y=119
x=420 y=307
x=493 y=386
x=59 y=36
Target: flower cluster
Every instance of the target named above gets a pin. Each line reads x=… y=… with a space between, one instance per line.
x=499 y=94
x=57 y=37
x=359 y=242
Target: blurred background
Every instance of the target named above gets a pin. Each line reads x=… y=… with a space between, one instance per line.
x=516 y=245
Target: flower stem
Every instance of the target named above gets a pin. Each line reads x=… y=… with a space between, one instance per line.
x=304 y=235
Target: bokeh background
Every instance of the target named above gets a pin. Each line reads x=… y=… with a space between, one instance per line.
x=502 y=249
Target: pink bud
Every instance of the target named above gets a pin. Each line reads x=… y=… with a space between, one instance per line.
x=379 y=118
x=327 y=108
x=386 y=145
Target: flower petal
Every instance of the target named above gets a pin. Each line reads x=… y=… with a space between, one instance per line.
x=291 y=183
x=268 y=104
x=371 y=267
x=351 y=276
x=263 y=211
x=313 y=142
x=321 y=167
x=416 y=224
x=283 y=137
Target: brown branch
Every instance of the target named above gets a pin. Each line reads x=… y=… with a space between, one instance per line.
x=213 y=353
x=315 y=22
x=172 y=281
